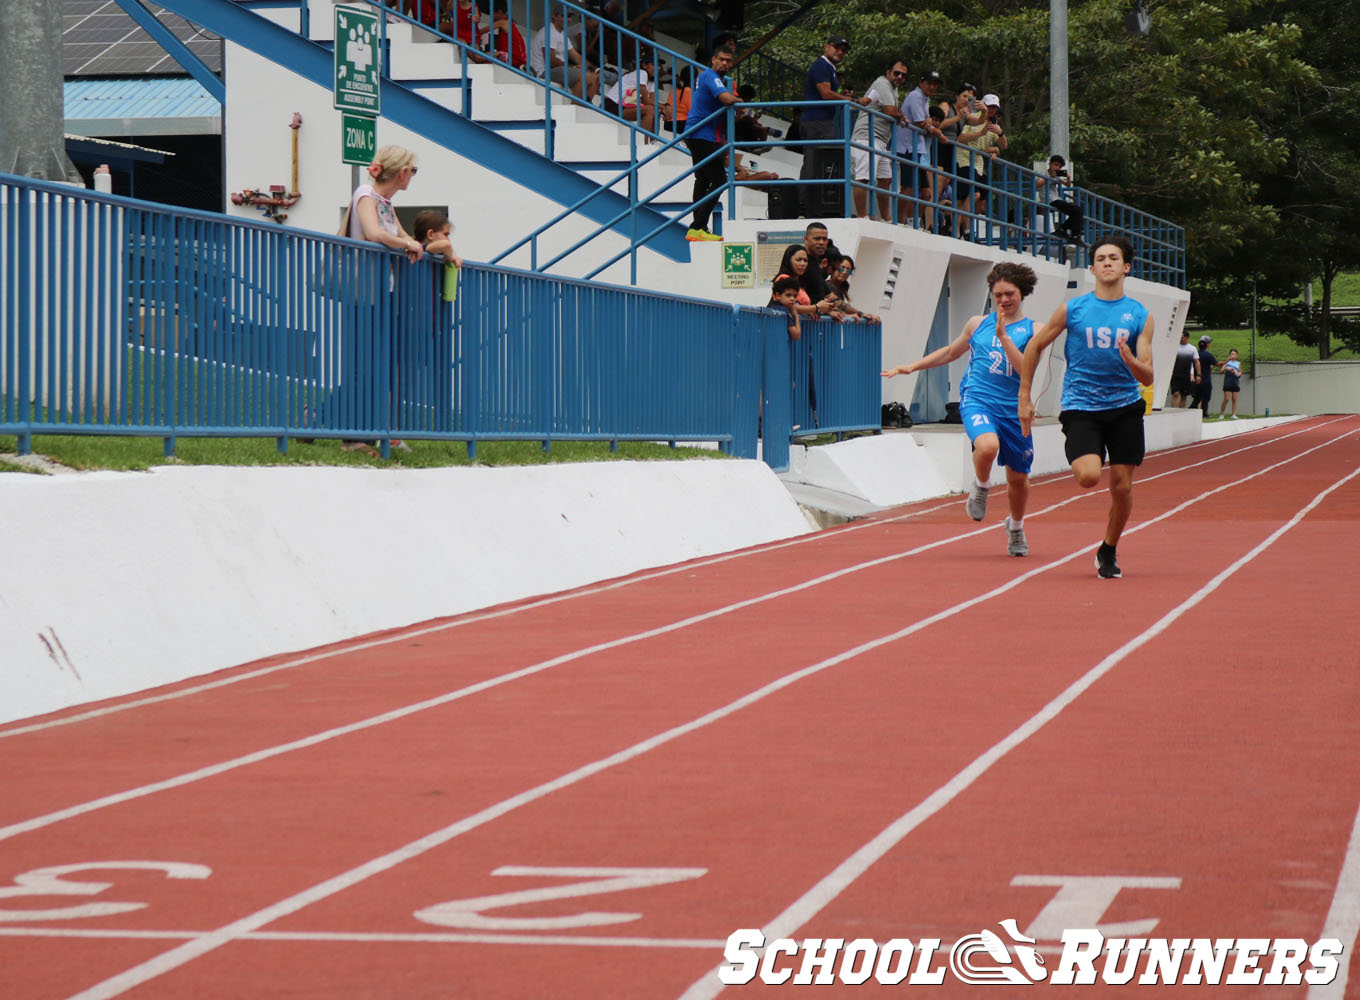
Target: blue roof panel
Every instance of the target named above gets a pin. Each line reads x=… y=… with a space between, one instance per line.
x=89 y=99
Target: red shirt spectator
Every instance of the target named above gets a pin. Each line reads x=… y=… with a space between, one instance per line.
x=463 y=21
x=507 y=43
x=424 y=11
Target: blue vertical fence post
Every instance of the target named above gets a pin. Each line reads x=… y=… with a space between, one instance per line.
x=776 y=411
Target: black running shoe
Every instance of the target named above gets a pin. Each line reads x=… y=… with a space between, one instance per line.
x=1106 y=567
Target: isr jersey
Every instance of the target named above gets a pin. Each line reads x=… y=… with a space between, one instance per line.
x=990 y=382
x=1097 y=378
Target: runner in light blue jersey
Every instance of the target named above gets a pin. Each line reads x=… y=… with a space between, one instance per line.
x=989 y=391
x=1102 y=404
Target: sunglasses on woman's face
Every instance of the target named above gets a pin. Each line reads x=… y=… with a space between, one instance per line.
x=846 y=270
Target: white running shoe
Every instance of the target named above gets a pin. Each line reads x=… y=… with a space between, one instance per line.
x=1016 y=544
x=976 y=504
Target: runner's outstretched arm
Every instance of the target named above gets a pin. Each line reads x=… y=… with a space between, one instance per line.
x=1043 y=336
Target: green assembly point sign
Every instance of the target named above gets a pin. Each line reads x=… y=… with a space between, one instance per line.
x=739 y=265
x=357 y=58
x=358 y=139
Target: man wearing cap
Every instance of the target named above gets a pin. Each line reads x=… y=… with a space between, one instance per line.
x=917 y=144
x=1184 y=373
x=1205 y=387
x=823 y=84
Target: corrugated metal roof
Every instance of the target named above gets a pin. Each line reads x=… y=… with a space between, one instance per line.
x=148 y=106
x=151 y=97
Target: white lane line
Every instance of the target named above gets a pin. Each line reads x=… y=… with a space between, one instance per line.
x=824 y=892
x=222 y=767
x=444 y=626
x=185 y=953
x=324 y=937
x=1343 y=919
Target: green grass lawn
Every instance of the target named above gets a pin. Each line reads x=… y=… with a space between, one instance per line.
x=136 y=453
x=1277 y=347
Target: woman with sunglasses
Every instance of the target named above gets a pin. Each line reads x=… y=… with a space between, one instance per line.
x=838 y=280
x=371 y=217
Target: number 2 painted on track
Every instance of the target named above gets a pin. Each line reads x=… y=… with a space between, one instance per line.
x=469 y=913
x=49 y=882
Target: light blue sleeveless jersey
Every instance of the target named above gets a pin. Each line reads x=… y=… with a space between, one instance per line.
x=1097 y=378
x=989 y=381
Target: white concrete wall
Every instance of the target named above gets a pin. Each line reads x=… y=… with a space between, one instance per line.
x=115 y=582
x=900 y=467
x=1309 y=387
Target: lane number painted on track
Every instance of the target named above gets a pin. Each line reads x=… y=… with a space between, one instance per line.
x=471 y=913
x=1082 y=900
x=50 y=881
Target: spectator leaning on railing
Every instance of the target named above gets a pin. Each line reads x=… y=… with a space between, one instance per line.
x=884 y=96
x=370 y=216
x=823 y=84
x=916 y=142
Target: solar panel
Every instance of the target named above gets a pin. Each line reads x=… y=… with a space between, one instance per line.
x=99 y=39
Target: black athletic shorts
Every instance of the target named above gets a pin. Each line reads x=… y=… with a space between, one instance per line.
x=1183 y=386
x=1116 y=434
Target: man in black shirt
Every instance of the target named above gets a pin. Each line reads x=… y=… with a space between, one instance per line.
x=1204 y=388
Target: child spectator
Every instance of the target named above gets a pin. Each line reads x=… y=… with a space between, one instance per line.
x=1232 y=384
x=675 y=112
x=464 y=22
x=784 y=298
x=433 y=228
x=795 y=265
x=506 y=41
x=424 y=11
x=747 y=127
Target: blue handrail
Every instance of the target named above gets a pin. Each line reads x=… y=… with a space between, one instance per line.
x=119 y=316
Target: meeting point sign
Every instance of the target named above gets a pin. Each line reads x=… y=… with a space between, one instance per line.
x=1008 y=957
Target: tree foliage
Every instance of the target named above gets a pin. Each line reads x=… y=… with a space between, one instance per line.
x=1226 y=118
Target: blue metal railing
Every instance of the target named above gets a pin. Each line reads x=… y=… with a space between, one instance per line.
x=1012 y=212
x=124 y=317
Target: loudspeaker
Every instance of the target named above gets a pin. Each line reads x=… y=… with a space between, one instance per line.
x=784 y=200
x=825 y=200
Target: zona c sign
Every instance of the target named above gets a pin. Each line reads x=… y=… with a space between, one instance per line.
x=358 y=139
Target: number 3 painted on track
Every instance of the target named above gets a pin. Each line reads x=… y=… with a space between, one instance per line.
x=468 y=913
x=49 y=882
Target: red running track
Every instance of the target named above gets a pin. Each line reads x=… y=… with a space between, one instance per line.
x=887 y=730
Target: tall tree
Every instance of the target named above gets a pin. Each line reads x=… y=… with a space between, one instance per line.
x=1317 y=189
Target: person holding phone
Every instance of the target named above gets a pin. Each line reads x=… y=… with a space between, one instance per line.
x=1058 y=180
